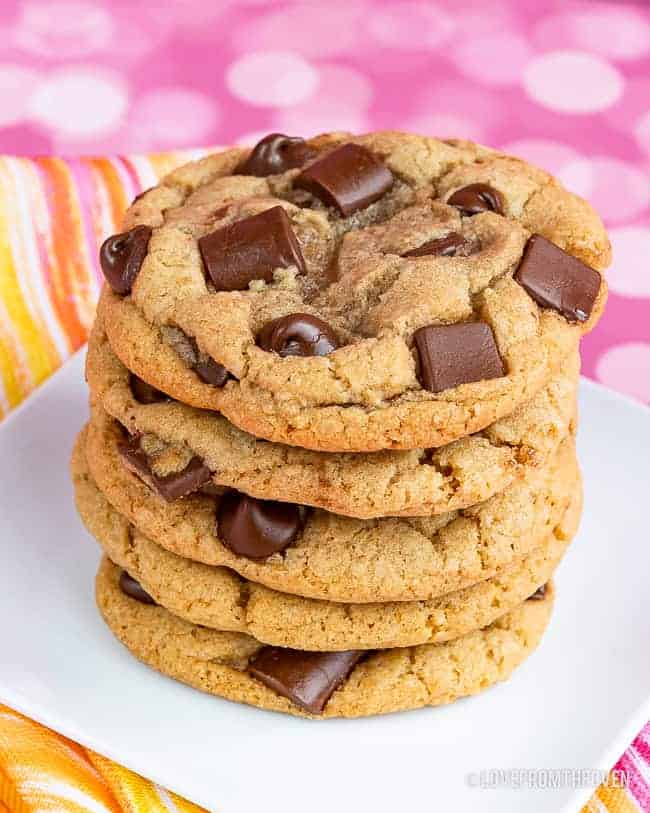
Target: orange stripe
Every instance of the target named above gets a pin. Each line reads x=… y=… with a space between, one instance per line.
x=117 y=197
x=68 y=264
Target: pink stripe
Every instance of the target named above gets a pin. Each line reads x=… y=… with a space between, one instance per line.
x=132 y=172
x=637 y=786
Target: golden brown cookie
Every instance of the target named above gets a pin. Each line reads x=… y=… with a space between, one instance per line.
x=338 y=558
x=329 y=685
x=417 y=482
x=391 y=291
x=217 y=597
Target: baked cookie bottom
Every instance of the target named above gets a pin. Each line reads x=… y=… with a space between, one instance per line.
x=385 y=681
x=218 y=598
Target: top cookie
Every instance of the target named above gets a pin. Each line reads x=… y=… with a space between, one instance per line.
x=354 y=294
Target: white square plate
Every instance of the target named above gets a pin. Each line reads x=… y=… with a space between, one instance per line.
x=575 y=704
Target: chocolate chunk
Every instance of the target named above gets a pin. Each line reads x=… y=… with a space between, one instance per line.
x=298 y=334
x=476 y=198
x=457 y=354
x=446 y=246
x=144 y=393
x=307 y=679
x=251 y=249
x=274 y=154
x=539 y=594
x=121 y=257
x=211 y=372
x=170 y=486
x=133 y=589
x=555 y=279
x=350 y=178
x=256 y=528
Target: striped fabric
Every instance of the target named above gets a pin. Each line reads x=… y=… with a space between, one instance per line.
x=54 y=214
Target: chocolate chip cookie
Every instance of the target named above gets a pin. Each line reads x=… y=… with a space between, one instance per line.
x=313 y=553
x=387 y=291
x=217 y=597
x=353 y=683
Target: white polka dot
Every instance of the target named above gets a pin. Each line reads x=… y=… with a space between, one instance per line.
x=573 y=82
x=446 y=125
x=642 y=132
x=578 y=176
x=626 y=367
x=497 y=59
x=63 y=29
x=272 y=79
x=550 y=155
x=620 y=191
x=80 y=101
x=161 y=112
x=630 y=273
x=609 y=29
x=17 y=85
x=328 y=117
x=408 y=25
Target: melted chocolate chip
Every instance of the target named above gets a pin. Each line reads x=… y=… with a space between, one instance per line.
x=144 y=393
x=251 y=249
x=555 y=279
x=477 y=198
x=451 y=355
x=170 y=486
x=121 y=257
x=211 y=372
x=446 y=246
x=298 y=334
x=274 y=154
x=133 y=589
x=307 y=679
x=539 y=594
x=256 y=528
x=349 y=178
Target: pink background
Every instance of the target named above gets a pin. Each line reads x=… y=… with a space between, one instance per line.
x=565 y=84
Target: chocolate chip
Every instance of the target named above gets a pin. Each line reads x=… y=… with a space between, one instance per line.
x=476 y=198
x=307 y=679
x=349 y=178
x=539 y=594
x=256 y=528
x=274 y=154
x=121 y=257
x=251 y=249
x=446 y=246
x=170 y=486
x=457 y=354
x=555 y=279
x=211 y=372
x=144 y=393
x=298 y=334
x=133 y=589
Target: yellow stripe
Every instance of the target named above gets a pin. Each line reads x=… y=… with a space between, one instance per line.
x=611 y=799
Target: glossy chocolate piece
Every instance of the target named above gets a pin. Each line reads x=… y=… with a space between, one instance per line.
x=539 y=594
x=144 y=393
x=349 y=178
x=251 y=249
x=477 y=198
x=133 y=589
x=274 y=154
x=256 y=528
x=298 y=334
x=451 y=355
x=121 y=257
x=555 y=279
x=307 y=679
x=447 y=246
x=171 y=486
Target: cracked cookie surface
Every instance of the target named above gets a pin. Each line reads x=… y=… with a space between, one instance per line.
x=368 y=277
x=348 y=560
x=218 y=598
x=384 y=681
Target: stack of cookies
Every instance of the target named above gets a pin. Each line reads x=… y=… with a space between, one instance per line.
x=331 y=459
